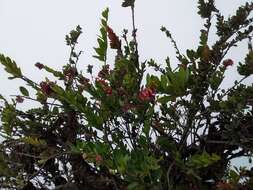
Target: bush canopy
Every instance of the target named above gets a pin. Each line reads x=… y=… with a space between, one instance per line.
x=174 y=128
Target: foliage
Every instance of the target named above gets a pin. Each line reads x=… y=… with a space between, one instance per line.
x=124 y=128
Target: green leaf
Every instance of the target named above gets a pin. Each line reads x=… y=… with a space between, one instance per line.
x=183 y=76
x=105 y=13
x=24 y=91
x=10 y=66
x=202 y=160
x=101 y=50
x=206 y=8
x=128 y=3
x=33 y=141
x=54 y=72
x=246 y=69
x=165 y=99
x=122 y=161
x=72 y=37
x=8 y=118
x=180 y=57
x=4 y=168
x=2 y=98
x=134 y=186
x=164 y=82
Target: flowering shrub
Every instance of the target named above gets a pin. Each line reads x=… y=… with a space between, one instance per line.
x=123 y=128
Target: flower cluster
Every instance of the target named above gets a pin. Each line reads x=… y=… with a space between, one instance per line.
x=104 y=72
x=105 y=86
x=46 y=87
x=69 y=73
x=115 y=43
x=147 y=94
x=84 y=81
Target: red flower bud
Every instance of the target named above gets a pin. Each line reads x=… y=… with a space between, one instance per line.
x=108 y=90
x=146 y=94
x=19 y=99
x=227 y=62
x=46 y=88
x=104 y=72
x=39 y=65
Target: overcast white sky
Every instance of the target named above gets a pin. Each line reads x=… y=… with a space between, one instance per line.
x=34 y=30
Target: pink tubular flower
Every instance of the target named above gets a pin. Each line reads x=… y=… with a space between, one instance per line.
x=227 y=62
x=146 y=94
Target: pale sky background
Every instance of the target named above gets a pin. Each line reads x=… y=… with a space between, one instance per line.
x=34 y=30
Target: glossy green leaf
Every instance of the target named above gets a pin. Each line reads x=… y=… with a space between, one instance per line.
x=24 y=91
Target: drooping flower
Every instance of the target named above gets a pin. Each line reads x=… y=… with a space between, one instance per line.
x=228 y=62
x=146 y=94
x=115 y=43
